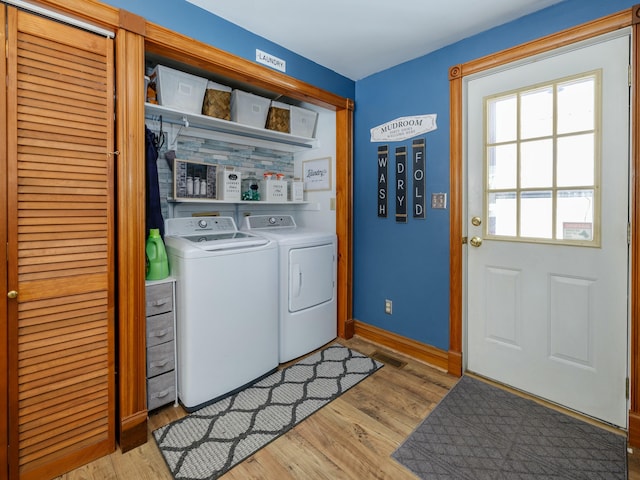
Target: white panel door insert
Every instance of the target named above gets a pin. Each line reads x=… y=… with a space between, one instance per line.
x=310 y=276
x=547 y=157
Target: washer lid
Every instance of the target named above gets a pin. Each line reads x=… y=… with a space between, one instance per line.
x=210 y=233
x=225 y=241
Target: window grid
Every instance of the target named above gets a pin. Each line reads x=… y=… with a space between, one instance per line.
x=553 y=187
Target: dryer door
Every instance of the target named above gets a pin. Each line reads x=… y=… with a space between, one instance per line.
x=311 y=276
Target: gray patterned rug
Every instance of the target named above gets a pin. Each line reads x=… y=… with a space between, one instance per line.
x=479 y=431
x=210 y=441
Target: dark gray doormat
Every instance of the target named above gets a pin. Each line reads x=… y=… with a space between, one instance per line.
x=479 y=431
x=207 y=443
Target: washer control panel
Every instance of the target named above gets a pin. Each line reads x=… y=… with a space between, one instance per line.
x=193 y=225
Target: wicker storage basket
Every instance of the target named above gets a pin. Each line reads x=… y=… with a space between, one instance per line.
x=278 y=117
x=217 y=101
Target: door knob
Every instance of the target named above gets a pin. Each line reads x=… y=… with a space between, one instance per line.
x=475 y=241
x=12 y=294
x=476 y=221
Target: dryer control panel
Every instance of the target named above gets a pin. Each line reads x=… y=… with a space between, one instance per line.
x=254 y=222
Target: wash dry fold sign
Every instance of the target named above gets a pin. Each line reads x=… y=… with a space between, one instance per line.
x=399 y=130
x=403 y=128
x=402 y=185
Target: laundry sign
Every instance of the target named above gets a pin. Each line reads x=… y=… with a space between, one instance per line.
x=403 y=128
x=270 y=60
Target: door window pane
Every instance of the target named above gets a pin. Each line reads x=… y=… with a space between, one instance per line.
x=576 y=160
x=576 y=101
x=503 y=119
x=575 y=215
x=536 y=113
x=536 y=219
x=503 y=214
x=503 y=166
x=536 y=164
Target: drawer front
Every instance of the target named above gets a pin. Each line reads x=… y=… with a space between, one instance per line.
x=159 y=329
x=159 y=298
x=160 y=359
x=161 y=390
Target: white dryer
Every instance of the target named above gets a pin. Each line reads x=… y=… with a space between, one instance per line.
x=307 y=283
x=227 y=309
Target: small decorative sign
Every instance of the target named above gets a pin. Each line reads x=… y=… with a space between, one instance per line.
x=317 y=174
x=270 y=61
x=418 y=149
x=577 y=231
x=401 y=184
x=383 y=155
x=403 y=128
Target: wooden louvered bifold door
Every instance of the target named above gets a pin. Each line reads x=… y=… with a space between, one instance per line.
x=61 y=252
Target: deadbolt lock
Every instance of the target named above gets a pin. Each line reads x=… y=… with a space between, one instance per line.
x=476 y=221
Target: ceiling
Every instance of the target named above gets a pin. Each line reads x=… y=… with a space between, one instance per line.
x=357 y=38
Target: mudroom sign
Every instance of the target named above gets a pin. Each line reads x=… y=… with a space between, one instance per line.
x=404 y=128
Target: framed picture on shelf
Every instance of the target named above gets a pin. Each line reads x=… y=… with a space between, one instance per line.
x=194 y=180
x=316 y=174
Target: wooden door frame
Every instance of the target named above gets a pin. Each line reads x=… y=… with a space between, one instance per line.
x=457 y=73
x=4 y=284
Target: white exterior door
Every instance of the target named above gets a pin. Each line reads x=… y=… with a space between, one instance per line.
x=547 y=214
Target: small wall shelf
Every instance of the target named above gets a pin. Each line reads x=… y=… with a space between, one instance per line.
x=228 y=202
x=284 y=141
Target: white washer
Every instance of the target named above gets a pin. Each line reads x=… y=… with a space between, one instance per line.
x=307 y=279
x=227 y=309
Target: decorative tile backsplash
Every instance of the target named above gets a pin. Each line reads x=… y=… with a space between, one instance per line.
x=245 y=158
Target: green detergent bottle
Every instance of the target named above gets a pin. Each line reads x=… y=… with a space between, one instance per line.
x=157 y=264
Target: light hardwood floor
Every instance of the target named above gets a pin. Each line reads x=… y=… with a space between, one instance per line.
x=353 y=437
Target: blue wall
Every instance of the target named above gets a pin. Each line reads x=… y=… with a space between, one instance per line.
x=409 y=263
x=187 y=19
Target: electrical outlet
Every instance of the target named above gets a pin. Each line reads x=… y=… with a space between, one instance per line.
x=388 y=307
x=438 y=200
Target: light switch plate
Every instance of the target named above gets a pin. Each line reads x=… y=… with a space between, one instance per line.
x=438 y=200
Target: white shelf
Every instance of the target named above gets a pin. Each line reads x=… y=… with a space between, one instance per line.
x=193 y=120
x=230 y=202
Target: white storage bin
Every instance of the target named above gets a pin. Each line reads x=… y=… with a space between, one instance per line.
x=249 y=109
x=179 y=90
x=229 y=184
x=302 y=122
x=273 y=190
x=296 y=191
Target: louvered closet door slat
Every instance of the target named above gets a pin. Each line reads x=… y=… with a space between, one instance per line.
x=63 y=80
